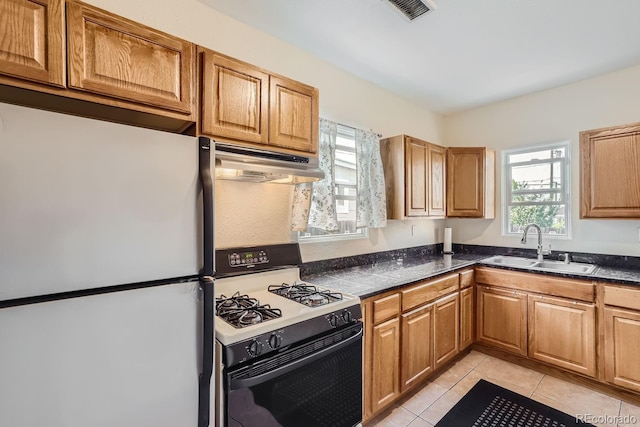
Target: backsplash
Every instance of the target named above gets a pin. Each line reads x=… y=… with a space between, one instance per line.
x=315 y=267
x=603 y=260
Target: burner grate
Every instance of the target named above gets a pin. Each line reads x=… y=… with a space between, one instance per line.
x=241 y=310
x=305 y=294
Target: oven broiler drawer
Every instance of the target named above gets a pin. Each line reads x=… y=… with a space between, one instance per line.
x=317 y=383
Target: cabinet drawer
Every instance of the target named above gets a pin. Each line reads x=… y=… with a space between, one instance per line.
x=539 y=283
x=428 y=291
x=385 y=308
x=466 y=278
x=622 y=297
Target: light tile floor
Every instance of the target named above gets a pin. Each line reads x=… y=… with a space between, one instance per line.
x=426 y=406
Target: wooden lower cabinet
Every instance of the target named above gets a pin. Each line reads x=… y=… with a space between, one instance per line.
x=384 y=383
x=502 y=319
x=467 y=318
x=622 y=347
x=408 y=335
x=446 y=315
x=562 y=332
x=417 y=346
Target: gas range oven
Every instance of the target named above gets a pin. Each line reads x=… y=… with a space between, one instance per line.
x=289 y=352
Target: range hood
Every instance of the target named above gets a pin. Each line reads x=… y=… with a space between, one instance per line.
x=253 y=165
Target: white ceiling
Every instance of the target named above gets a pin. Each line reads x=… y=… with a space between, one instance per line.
x=465 y=54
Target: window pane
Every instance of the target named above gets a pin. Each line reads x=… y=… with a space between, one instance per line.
x=541 y=176
x=550 y=218
x=346 y=190
x=549 y=153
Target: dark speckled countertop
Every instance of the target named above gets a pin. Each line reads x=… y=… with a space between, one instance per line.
x=378 y=277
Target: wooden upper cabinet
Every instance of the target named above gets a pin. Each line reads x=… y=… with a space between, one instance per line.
x=470 y=182
x=235 y=99
x=609 y=175
x=118 y=58
x=438 y=186
x=244 y=104
x=32 y=40
x=414 y=177
x=417 y=181
x=293 y=115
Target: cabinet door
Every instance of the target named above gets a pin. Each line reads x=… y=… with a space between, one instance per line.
x=562 y=332
x=466 y=182
x=446 y=315
x=466 y=317
x=604 y=194
x=622 y=346
x=235 y=99
x=293 y=115
x=416 y=178
x=115 y=57
x=437 y=176
x=385 y=384
x=31 y=40
x=502 y=319
x=417 y=346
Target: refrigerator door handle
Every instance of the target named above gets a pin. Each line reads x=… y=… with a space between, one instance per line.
x=204 y=394
x=206 y=283
x=207 y=204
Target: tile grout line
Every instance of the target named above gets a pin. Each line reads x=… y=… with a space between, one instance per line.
x=537 y=385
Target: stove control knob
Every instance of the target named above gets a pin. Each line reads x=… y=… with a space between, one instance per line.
x=255 y=348
x=333 y=320
x=275 y=341
x=347 y=316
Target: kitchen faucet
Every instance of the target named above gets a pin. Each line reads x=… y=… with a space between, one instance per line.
x=541 y=252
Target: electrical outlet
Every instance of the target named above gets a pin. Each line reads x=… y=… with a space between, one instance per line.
x=413 y=230
x=638 y=234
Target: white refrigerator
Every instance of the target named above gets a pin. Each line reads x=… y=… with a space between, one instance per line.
x=106 y=259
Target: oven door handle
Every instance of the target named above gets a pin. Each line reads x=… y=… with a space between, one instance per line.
x=239 y=383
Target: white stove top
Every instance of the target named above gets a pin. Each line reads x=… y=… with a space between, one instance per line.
x=255 y=286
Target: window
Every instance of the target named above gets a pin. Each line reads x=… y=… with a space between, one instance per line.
x=346 y=191
x=536 y=189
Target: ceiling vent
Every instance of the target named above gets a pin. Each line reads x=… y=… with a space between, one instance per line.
x=413 y=8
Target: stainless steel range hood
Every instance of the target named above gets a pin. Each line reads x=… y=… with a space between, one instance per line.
x=253 y=165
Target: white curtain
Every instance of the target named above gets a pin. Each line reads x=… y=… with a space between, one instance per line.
x=315 y=204
x=372 y=202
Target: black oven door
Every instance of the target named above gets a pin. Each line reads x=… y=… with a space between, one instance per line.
x=315 y=384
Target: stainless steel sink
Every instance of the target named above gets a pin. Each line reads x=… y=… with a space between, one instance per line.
x=510 y=261
x=574 y=267
x=547 y=265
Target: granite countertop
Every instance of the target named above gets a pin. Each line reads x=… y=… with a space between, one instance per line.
x=378 y=277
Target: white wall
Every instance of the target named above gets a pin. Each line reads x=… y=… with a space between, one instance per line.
x=551 y=116
x=259 y=213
